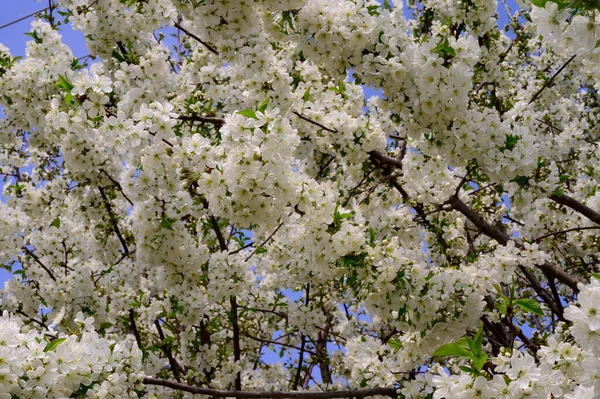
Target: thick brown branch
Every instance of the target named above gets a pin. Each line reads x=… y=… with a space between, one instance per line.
x=535 y=284
x=236 y=339
x=175 y=367
x=352 y=393
x=202 y=42
x=215 y=225
x=577 y=206
x=478 y=221
x=202 y=119
x=503 y=239
x=134 y=329
x=385 y=159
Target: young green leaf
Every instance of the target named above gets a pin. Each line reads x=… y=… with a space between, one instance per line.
x=262 y=107
x=248 y=113
x=454 y=349
x=53 y=344
x=477 y=342
x=530 y=305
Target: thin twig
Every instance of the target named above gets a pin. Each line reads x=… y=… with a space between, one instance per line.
x=265 y=241
x=304 y=118
x=113 y=220
x=23 y=18
x=302 y=345
x=551 y=126
x=269 y=341
x=565 y=231
x=190 y=34
x=549 y=82
x=39 y=262
x=117 y=185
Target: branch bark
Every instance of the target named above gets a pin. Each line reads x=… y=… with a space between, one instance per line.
x=577 y=206
x=350 y=393
x=236 y=339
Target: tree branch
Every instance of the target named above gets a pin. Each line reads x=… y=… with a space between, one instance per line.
x=113 y=220
x=351 y=393
x=236 y=339
x=577 y=206
x=202 y=119
x=535 y=284
x=190 y=34
x=549 y=82
x=39 y=262
x=23 y=18
x=478 y=221
x=503 y=239
x=117 y=185
x=302 y=345
x=134 y=328
x=304 y=118
x=565 y=231
x=385 y=159
x=175 y=367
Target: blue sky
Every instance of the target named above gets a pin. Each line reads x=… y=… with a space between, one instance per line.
x=13 y=36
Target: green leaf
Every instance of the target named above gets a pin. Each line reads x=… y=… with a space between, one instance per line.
x=558 y=191
x=371 y=235
x=262 y=107
x=118 y=56
x=306 y=94
x=56 y=223
x=521 y=180
x=445 y=50
x=64 y=83
x=75 y=64
x=539 y=3
x=261 y=250
x=479 y=360
x=53 y=344
x=69 y=98
x=596 y=276
x=395 y=344
x=364 y=383
x=530 y=305
x=104 y=326
x=477 y=342
x=248 y=113
x=454 y=349
x=373 y=10
x=33 y=34
x=167 y=223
